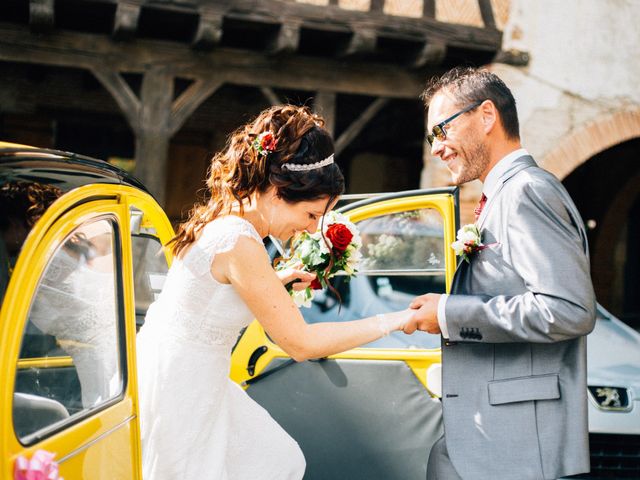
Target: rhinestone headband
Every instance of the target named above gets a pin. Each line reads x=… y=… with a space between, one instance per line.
x=303 y=167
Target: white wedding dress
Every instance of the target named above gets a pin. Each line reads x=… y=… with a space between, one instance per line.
x=196 y=423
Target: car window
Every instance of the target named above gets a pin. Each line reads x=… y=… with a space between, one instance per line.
x=403 y=256
x=149 y=264
x=70 y=358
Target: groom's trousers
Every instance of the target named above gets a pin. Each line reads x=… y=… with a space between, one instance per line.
x=439 y=466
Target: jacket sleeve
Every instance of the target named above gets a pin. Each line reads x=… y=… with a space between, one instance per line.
x=547 y=248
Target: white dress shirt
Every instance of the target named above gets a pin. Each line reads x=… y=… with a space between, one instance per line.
x=489 y=188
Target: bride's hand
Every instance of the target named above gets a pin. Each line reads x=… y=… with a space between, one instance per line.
x=300 y=278
x=400 y=320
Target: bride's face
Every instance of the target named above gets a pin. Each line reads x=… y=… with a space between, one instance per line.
x=290 y=218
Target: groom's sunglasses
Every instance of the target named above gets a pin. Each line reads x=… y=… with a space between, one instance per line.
x=438 y=130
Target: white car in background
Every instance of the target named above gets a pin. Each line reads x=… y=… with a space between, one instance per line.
x=613 y=377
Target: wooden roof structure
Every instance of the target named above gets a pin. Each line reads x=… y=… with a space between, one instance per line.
x=267 y=44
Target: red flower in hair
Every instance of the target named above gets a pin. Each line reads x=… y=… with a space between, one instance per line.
x=265 y=143
x=340 y=236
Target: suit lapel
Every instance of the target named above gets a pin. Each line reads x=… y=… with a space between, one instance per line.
x=520 y=164
x=456 y=276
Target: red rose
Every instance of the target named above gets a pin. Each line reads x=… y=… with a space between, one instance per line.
x=268 y=142
x=340 y=236
x=315 y=284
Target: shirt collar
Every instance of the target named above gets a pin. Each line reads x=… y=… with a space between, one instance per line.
x=491 y=182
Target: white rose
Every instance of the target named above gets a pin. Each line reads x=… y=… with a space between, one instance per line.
x=458 y=247
x=322 y=245
x=302 y=298
x=467 y=237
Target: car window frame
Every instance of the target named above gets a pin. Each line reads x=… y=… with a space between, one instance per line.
x=53 y=245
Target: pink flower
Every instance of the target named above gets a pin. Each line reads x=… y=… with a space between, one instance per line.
x=40 y=467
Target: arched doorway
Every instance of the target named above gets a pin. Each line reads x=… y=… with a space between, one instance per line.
x=606 y=190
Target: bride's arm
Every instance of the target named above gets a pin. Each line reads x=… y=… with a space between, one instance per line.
x=247 y=268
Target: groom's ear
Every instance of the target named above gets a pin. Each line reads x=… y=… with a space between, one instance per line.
x=489 y=114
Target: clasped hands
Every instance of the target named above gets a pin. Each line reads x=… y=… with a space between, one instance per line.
x=425 y=314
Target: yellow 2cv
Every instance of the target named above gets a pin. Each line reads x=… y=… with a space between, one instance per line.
x=81 y=259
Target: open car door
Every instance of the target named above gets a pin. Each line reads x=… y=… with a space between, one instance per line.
x=68 y=325
x=371 y=412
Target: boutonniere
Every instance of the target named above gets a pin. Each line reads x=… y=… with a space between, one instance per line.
x=469 y=242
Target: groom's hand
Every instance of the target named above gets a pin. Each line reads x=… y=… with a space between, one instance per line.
x=426 y=315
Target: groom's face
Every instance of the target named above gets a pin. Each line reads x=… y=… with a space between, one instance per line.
x=463 y=149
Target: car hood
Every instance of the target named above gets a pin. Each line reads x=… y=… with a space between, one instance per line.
x=613 y=354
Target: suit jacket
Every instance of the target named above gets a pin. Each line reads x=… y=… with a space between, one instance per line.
x=514 y=369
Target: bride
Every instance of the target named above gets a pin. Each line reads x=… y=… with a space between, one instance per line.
x=275 y=177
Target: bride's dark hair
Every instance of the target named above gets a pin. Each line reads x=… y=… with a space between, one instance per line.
x=240 y=170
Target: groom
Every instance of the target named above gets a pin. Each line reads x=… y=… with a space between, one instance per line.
x=514 y=351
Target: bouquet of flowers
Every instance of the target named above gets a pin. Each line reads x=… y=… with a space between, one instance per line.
x=333 y=250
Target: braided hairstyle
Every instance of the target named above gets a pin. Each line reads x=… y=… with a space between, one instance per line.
x=241 y=170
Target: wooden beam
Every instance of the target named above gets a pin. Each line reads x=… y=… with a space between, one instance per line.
x=125 y=23
x=184 y=106
x=376 y=6
x=241 y=67
x=41 y=15
x=358 y=125
x=331 y=17
x=429 y=8
x=324 y=104
x=363 y=41
x=287 y=39
x=486 y=10
x=121 y=92
x=433 y=53
x=517 y=58
x=209 y=32
x=271 y=96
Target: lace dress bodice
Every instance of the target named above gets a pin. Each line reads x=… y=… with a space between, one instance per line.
x=193 y=305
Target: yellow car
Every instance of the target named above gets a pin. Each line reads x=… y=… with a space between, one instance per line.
x=80 y=262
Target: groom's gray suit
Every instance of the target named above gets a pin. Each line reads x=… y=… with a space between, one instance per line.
x=514 y=366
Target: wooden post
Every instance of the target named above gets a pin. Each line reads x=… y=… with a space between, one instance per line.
x=429 y=8
x=153 y=131
x=155 y=117
x=486 y=10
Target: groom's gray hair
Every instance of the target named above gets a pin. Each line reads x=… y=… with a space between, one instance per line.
x=471 y=85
